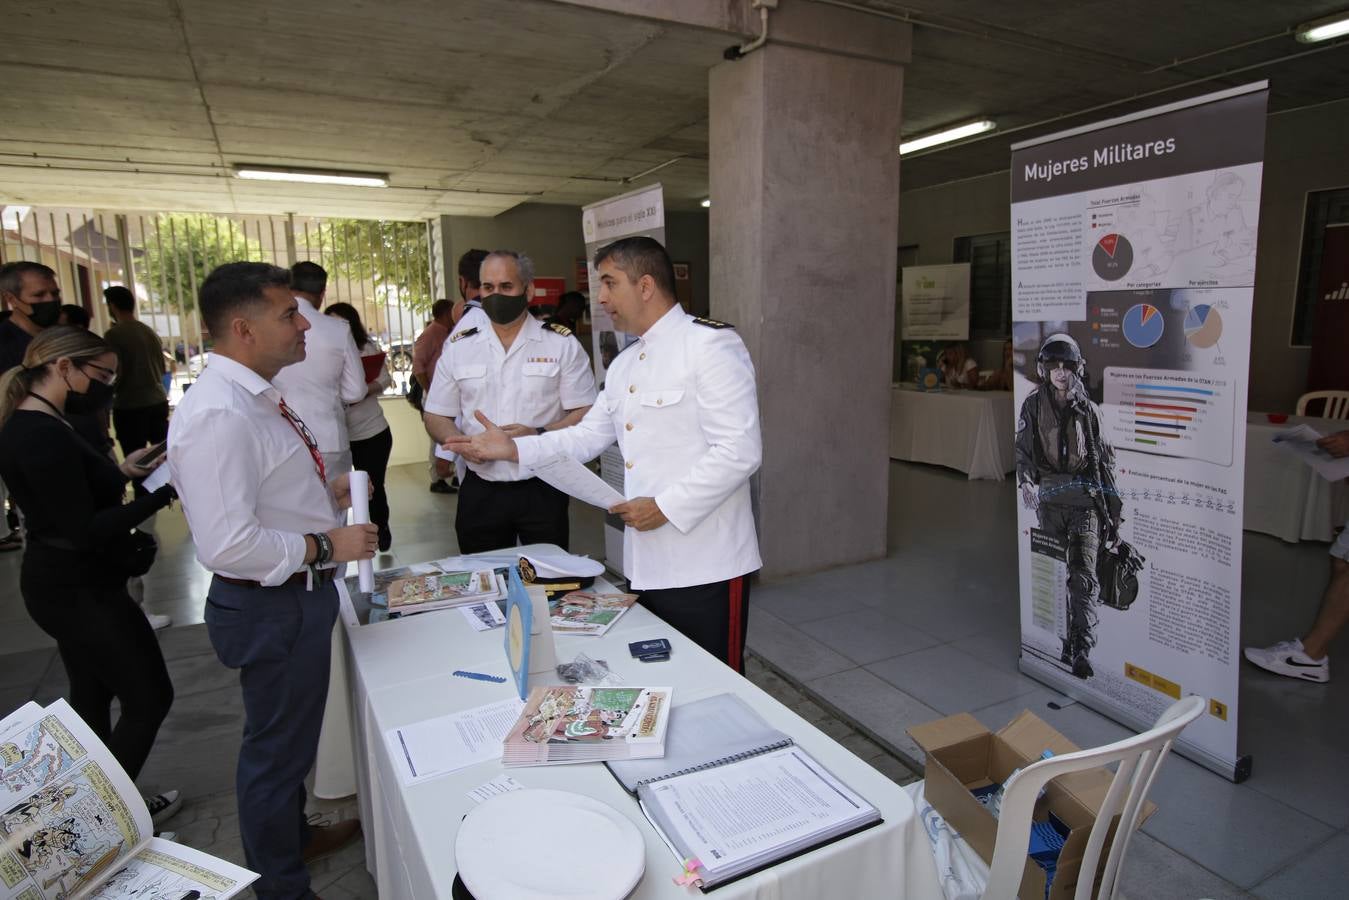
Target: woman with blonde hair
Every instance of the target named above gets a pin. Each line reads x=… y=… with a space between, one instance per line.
x=79 y=548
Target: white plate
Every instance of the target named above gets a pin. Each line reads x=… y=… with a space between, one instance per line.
x=541 y=844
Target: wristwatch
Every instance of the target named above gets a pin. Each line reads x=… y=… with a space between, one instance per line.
x=540 y=430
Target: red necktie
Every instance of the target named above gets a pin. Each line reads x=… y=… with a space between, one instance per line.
x=305 y=435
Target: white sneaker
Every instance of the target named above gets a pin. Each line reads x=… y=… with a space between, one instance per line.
x=157 y=621
x=1287 y=658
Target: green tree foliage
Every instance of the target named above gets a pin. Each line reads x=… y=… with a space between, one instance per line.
x=186 y=248
x=391 y=256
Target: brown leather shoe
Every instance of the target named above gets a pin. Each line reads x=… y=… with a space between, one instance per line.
x=326 y=840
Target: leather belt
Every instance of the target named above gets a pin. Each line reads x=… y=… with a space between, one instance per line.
x=321 y=577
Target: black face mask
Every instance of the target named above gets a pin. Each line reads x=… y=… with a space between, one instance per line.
x=504 y=309
x=93 y=399
x=45 y=315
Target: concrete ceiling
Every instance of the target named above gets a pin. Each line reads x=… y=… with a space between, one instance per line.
x=475 y=106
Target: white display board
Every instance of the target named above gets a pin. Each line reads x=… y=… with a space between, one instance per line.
x=935 y=303
x=1136 y=239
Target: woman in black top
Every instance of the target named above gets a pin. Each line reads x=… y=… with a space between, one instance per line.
x=71 y=497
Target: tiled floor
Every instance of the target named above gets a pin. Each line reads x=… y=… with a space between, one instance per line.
x=933 y=629
x=864 y=652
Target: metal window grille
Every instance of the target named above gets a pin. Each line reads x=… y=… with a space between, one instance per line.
x=382 y=268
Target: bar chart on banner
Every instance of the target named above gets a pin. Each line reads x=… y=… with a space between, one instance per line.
x=1169 y=413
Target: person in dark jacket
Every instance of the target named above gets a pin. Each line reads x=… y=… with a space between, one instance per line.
x=73 y=578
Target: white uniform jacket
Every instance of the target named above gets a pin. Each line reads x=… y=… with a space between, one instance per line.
x=682 y=404
x=543 y=374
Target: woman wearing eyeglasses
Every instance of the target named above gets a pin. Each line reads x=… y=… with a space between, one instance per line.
x=73 y=584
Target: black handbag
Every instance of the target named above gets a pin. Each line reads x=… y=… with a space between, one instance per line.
x=1117 y=571
x=132 y=554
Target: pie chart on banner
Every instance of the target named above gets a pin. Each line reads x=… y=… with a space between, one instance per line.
x=1112 y=257
x=1143 y=325
x=1203 y=326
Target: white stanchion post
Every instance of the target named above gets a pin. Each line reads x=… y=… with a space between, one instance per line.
x=360 y=515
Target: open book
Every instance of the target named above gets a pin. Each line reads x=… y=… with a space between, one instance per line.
x=737 y=795
x=74 y=825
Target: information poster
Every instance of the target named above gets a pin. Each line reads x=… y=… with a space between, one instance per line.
x=639 y=212
x=1133 y=245
x=936 y=303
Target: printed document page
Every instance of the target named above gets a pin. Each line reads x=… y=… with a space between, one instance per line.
x=757 y=809
x=571 y=477
x=1301 y=441
x=435 y=747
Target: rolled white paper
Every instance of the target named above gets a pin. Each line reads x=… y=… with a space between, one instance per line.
x=360 y=515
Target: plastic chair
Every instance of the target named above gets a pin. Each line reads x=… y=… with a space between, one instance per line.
x=1139 y=759
x=1337 y=403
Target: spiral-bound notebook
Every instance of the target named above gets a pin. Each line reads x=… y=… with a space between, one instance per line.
x=703 y=734
x=737 y=794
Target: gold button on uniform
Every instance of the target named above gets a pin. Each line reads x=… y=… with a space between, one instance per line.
x=643 y=356
x=660 y=401
x=628 y=464
x=632 y=389
x=628 y=426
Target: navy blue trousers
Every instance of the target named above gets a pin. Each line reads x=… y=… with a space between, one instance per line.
x=279 y=638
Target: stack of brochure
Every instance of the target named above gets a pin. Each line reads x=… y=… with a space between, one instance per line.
x=585 y=612
x=574 y=723
x=440 y=590
x=76 y=826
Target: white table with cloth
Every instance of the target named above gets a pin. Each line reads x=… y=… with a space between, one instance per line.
x=971 y=431
x=1285 y=497
x=400 y=673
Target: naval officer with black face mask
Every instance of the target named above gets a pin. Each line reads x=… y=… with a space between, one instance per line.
x=511 y=368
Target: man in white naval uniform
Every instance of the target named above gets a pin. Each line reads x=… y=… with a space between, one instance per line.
x=681 y=402
x=516 y=370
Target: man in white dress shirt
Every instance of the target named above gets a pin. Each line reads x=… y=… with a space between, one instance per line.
x=266 y=520
x=681 y=402
x=329 y=377
x=512 y=368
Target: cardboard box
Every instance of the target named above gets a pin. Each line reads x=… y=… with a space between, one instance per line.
x=962 y=754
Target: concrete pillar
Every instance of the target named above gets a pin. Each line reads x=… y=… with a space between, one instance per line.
x=804 y=230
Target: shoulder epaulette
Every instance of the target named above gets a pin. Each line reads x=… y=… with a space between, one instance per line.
x=559 y=328
x=467 y=332
x=712 y=323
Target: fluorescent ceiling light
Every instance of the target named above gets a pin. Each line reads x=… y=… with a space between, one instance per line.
x=311 y=176
x=707 y=202
x=969 y=129
x=1323 y=29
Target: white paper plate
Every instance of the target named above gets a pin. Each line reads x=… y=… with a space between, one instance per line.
x=539 y=844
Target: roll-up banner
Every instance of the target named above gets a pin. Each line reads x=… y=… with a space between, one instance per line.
x=1133 y=245
x=639 y=212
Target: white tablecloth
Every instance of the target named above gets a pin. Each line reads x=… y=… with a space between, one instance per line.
x=971 y=431
x=400 y=673
x=1284 y=497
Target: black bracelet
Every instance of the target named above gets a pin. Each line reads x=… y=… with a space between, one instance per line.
x=323 y=548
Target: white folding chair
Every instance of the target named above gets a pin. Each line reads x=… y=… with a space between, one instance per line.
x=1336 y=406
x=1139 y=758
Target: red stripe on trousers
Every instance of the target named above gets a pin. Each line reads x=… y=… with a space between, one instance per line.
x=733 y=639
